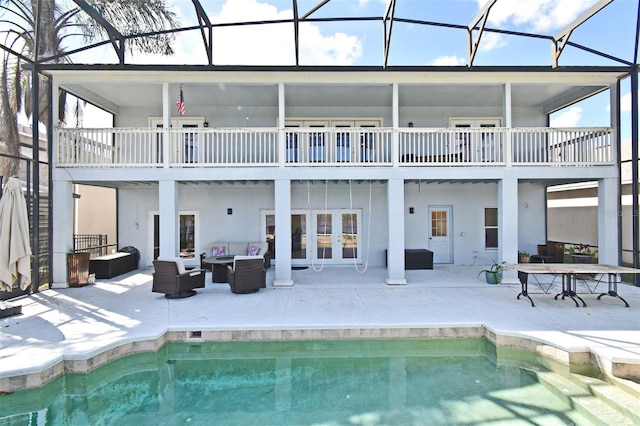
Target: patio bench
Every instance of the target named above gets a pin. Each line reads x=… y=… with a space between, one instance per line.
x=111 y=265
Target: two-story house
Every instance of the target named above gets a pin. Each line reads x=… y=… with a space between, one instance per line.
x=335 y=165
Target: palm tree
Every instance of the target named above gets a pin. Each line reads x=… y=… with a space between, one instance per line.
x=61 y=20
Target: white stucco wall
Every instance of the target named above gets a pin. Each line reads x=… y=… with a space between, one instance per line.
x=468 y=202
x=531 y=220
x=250 y=200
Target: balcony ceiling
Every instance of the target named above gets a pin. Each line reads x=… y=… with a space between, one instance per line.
x=548 y=96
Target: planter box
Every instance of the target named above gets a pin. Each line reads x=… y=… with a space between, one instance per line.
x=78 y=269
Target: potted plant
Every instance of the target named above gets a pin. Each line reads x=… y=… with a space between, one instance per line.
x=524 y=257
x=77 y=268
x=493 y=275
x=581 y=253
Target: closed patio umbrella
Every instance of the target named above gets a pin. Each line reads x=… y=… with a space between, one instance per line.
x=15 y=248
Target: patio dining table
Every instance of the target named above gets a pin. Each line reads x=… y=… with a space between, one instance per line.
x=569 y=272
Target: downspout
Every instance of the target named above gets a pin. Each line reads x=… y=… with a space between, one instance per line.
x=35 y=148
x=35 y=196
x=50 y=151
x=634 y=171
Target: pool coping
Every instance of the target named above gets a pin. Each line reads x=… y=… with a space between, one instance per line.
x=611 y=362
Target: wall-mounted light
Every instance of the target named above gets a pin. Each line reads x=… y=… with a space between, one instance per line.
x=205 y=124
x=411 y=124
x=411 y=211
x=229 y=211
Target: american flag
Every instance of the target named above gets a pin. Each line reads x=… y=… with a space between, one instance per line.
x=180 y=103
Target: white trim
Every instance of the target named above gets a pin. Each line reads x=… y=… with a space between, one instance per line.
x=475 y=121
x=178 y=122
x=333 y=121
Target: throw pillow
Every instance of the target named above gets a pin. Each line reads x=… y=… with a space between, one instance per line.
x=253 y=251
x=218 y=251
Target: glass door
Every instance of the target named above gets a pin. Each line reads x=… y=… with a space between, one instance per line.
x=188 y=224
x=330 y=237
x=299 y=233
x=337 y=238
x=473 y=146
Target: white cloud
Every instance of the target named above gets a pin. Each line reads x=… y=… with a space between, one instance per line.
x=625 y=102
x=491 y=41
x=267 y=44
x=569 y=118
x=538 y=15
x=274 y=44
x=448 y=60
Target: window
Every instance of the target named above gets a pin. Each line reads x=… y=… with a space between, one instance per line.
x=490 y=228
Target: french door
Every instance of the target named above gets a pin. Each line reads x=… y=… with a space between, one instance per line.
x=474 y=146
x=336 y=236
x=329 y=237
x=187 y=152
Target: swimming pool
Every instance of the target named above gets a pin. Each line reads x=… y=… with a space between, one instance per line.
x=369 y=382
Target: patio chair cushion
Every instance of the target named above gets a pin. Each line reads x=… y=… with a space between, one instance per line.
x=179 y=263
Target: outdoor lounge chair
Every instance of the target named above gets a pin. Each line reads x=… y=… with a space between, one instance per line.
x=247 y=275
x=171 y=278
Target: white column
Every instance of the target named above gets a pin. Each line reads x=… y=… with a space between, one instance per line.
x=169 y=226
x=54 y=113
x=62 y=217
x=282 y=151
x=614 y=118
x=395 y=251
x=166 y=123
x=508 y=225
x=608 y=221
x=395 y=139
x=283 y=233
x=507 y=148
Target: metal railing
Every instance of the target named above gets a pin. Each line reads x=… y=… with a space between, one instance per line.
x=94 y=244
x=262 y=147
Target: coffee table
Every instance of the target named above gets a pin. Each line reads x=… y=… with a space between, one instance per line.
x=219 y=267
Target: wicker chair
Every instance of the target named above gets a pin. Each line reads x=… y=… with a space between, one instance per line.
x=174 y=281
x=247 y=275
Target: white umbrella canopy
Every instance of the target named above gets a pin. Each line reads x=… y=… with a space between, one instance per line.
x=15 y=247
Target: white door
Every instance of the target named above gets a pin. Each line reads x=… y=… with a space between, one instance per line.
x=440 y=234
x=474 y=146
x=187 y=152
x=336 y=236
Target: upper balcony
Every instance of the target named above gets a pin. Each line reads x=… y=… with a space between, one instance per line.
x=332 y=147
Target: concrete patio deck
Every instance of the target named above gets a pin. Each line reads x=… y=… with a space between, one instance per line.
x=78 y=329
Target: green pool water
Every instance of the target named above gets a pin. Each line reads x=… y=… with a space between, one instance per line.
x=370 y=382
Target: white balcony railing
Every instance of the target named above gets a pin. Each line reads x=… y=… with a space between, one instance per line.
x=244 y=147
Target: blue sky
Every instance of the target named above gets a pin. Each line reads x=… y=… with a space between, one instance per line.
x=612 y=30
